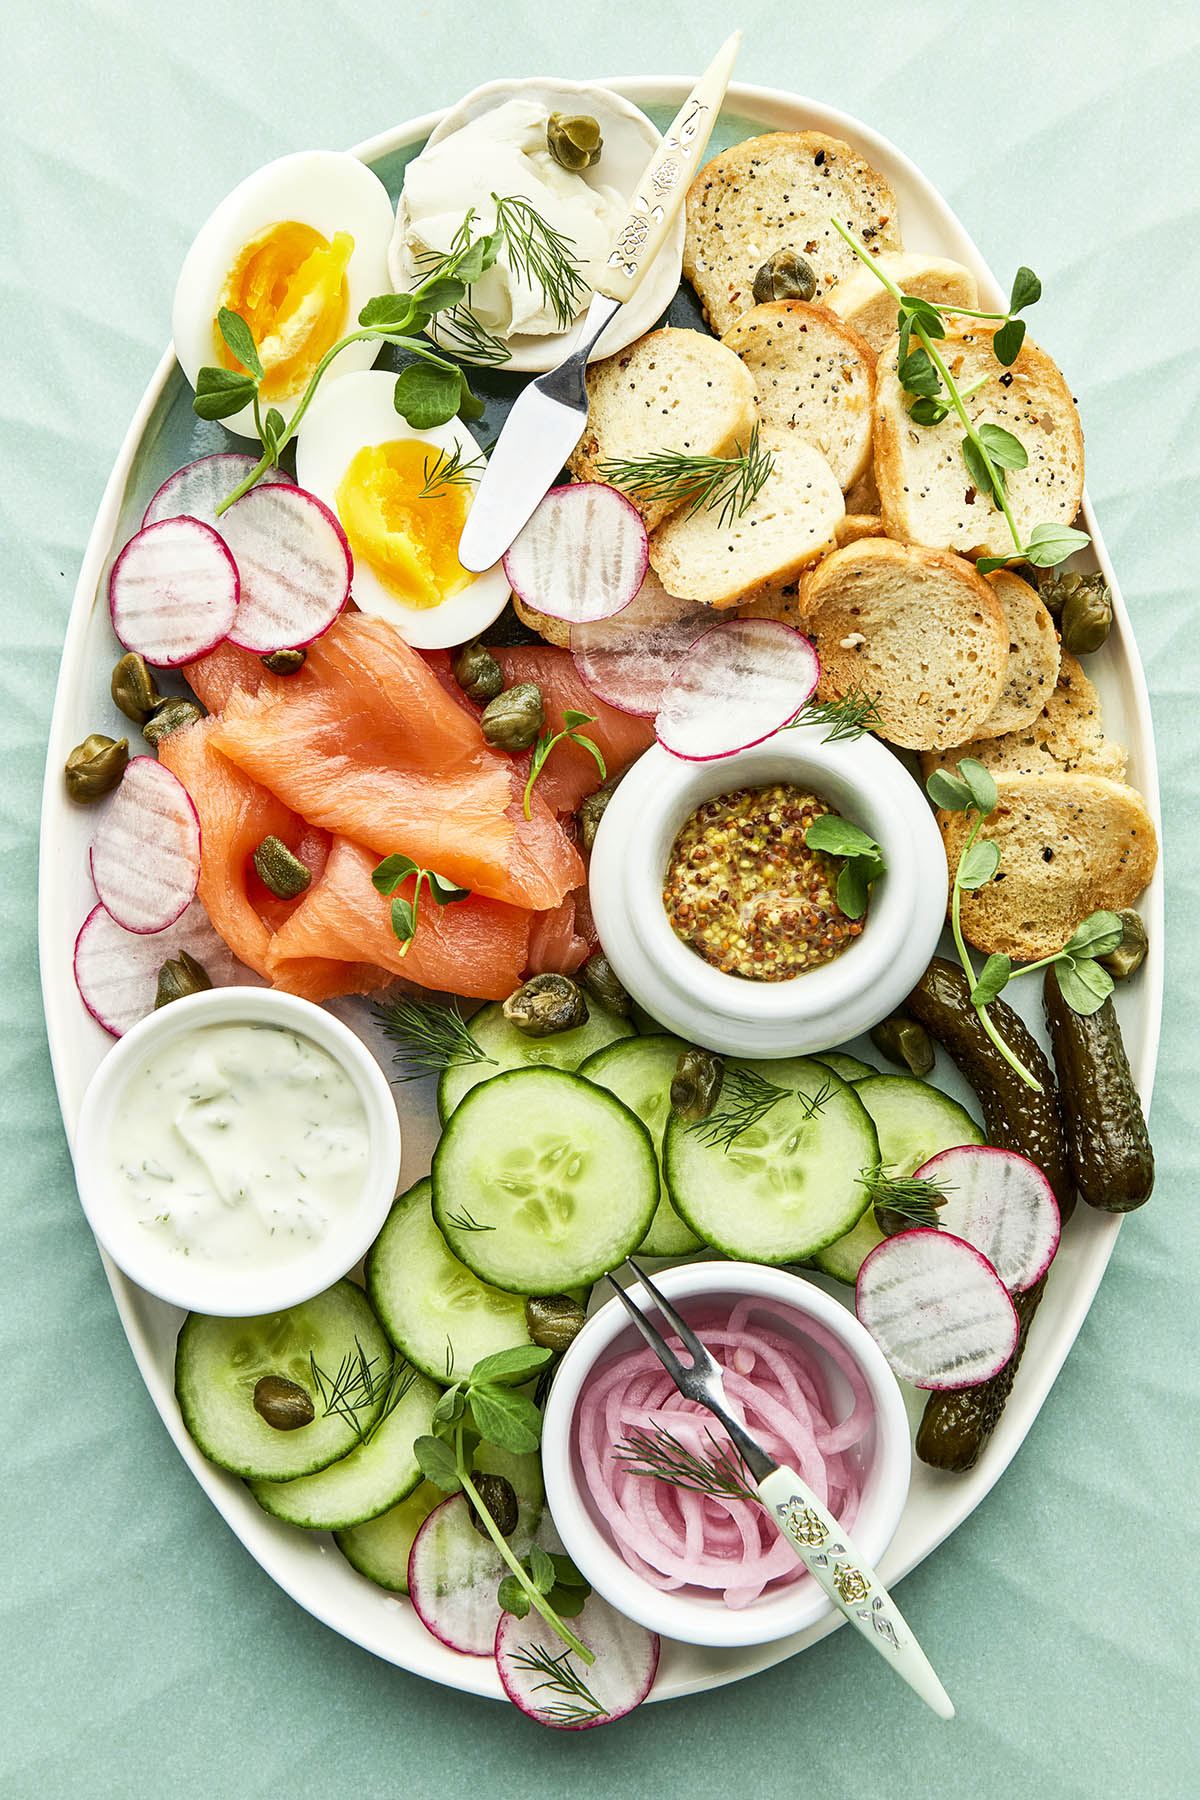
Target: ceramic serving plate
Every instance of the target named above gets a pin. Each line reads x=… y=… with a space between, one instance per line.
x=164 y=434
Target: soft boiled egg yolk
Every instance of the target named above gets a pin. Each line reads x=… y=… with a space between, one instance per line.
x=410 y=542
x=289 y=284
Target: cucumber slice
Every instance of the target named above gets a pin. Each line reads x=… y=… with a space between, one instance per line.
x=435 y=1311
x=542 y=1181
x=913 y=1121
x=848 y=1067
x=513 y=1049
x=639 y=1071
x=218 y=1363
x=376 y=1474
x=789 y=1183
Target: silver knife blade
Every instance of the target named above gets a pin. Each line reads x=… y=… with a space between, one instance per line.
x=545 y=424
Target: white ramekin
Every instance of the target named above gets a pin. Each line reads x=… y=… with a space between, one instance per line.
x=190 y=1282
x=863 y=782
x=693 y=1616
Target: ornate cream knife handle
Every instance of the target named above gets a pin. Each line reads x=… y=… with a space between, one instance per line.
x=826 y=1552
x=661 y=191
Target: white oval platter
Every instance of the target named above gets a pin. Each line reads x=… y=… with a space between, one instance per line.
x=307 y=1566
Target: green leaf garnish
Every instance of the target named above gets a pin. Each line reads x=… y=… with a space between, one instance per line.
x=387 y=876
x=222 y=392
x=547 y=740
x=977 y=865
x=1026 y=289
x=835 y=836
x=240 y=341
x=517 y=1364
x=427 y=395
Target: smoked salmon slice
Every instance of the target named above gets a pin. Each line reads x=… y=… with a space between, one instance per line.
x=570 y=774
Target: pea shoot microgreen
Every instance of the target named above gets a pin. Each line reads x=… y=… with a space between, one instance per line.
x=387 y=877
x=572 y=721
x=1084 y=983
x=989 y=451
x=745 y=1099
x=728 y=483
x=863 y=859
x=486 y=1408
x=429 y=1037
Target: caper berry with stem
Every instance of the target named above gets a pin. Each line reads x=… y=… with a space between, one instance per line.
x=179 y=977
x=133 y=689
x=574 y=140
x=553 y=1320
x=285 y=662
x=514 y=718
x=1086 y=620
x=1130 y=953
x=172 y=715
x=696 y=1083
x=280 y=869
x=546 y=1004
x=500 y=1497
x=95 y=767
x=902 y=1040
x=601 y=979
x=477 y=672
x=786 y=275
x=284 y=1405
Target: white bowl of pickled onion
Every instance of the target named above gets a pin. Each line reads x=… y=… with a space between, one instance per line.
x=691 y=1567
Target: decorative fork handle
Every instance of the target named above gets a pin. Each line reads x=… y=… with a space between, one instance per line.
x=661 y=191
x=829 y=1556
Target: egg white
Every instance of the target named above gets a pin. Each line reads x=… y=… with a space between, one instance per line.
x=342 y=420
x=327 y=190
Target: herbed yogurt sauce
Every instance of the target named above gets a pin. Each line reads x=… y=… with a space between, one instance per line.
x=240 y=1144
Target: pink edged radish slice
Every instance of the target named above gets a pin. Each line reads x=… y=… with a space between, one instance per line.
x=552 y=1683
x=628 y=659
x=295 y=566
x=145 y=856
x=1002 y=1204
x=116 y=971
x=738 y=684
x=937 y=1309
x=173 y=592
x=199 y=487
x=453 y=1574
x=582 y=556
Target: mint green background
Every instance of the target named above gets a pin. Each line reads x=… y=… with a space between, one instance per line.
x=142 y=1652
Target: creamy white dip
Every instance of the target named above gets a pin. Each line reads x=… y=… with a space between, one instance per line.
x=504 y=152
x=239 y=1144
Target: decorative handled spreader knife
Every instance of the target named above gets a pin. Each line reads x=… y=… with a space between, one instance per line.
x=811 y=1529
x=548 y=416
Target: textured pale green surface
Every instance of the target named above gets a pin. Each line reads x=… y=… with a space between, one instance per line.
x=143 y=1652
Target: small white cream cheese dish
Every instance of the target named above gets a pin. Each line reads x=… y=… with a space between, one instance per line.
x=238 y=1151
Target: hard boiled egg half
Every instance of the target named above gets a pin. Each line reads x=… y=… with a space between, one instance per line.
x=298 y=249
x=402 y=497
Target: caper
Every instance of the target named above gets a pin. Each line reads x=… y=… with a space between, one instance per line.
x=553 y=1320
x=133 y=688
x=285 y=662
x=600 y=978
x=546 y=1004
x=280 y=869
x=696 y=1083
x=513 y=719
x=95 y=767
x=1130 y=953
x=904 y=1041
x=1056 y=587
x=477 y=672
x=1086 y=620
x=177 y=978
x=573 y=140
x=172 y=715
x=591 y=811
x=786 y=275
x=282 y=1404
x=499 y=1496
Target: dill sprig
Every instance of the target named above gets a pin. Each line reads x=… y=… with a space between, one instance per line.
x=463 y=1221
x=731 y=483
x=856 y=713
x=912 y=1198
x=579 y=1705
x=357 y=1387
x=747 y=1097
x=658 y=1454
x=447 y=469
x=541 y=256
x=428 y=1037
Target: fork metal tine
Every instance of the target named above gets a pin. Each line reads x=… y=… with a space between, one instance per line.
x=702 y=1358
x=653 y=1337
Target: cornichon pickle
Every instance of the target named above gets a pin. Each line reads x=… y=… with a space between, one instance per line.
x=95 y=767
x=172 y=715
x=179 y=977
x=1107 y=1139
x=280 y=869
x=1014 y=1117
x=553 y=1320
x=957 y=1422
x=905 y=1042
x=285 y=662
x=545 y=1005
x=133 y=689
x=1130 y=953
x=500 y=1497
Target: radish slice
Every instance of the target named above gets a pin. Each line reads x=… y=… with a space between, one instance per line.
x=145 y=857
x=937 y=1309
x=740 y=683
x=582 y=556
x=116 y=971
x=173 y=592
x=619 y=1679
x=295 y=566
x=627 y=660
x=1002 y=1204
x=453 y=1574
x=199 y=487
